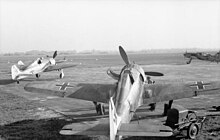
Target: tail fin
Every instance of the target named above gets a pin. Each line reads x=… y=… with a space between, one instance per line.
x=114 y=120
x=20 y=63
x=14 y=72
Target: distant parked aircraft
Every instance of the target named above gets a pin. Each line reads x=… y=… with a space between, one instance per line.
x=21 y=71
x=202 y=56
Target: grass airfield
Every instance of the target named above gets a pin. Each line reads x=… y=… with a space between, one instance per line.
x=25 y=115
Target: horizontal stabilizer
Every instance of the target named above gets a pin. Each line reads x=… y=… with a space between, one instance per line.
x=145 y=130
x=86 y=128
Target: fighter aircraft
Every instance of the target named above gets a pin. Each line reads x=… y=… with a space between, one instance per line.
x=202 y=56
x=21 y=71
x=124 y=97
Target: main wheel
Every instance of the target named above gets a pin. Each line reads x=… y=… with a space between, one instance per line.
x=37 y=75
x=100 y=109
x=192 y=131
x=61 y=75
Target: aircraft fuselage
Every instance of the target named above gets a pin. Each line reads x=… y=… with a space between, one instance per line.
x=129 y=91
x=38 y=66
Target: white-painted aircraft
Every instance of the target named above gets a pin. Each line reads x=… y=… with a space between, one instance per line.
x=21 y=71
x=129 y=93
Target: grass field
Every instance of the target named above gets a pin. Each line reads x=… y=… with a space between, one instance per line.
x=25 y=115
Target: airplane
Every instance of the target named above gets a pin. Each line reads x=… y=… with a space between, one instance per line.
x=21 y=71
x=124 y=97
x=202 y=56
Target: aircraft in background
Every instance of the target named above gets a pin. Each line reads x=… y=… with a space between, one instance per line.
x=202 y=56
x=130 y=92
x=21 y=71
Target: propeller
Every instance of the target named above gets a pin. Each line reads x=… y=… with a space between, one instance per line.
x=113 y=74
x=55 y=54
x=124 y=55
x=125 y=58
x=151 y=73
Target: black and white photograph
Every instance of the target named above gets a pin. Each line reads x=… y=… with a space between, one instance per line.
x=110 y=69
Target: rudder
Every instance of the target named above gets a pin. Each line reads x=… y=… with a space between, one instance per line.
x=20 y=63
x=114 y=120
x=14 y=72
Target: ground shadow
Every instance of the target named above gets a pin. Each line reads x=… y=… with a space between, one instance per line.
x=38 y=129
x=88 y=116
x=10 y=81
x=42 y=79
x=6 y=81
x=44 y=129
x=213 y=110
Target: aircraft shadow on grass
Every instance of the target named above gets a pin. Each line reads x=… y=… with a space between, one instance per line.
x=6 y=81
x=34 y=79
x=49 y=129
x=84 y=109
x=37 y=129
x=209 y=110
x=10 y=81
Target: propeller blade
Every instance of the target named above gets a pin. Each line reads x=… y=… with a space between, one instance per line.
x=55 y=54
x=124 y=55
x=113 y=74
x=151 y=73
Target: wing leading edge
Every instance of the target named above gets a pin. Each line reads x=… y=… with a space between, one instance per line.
x=164 y=92
x=89 y=92
x=58 y=67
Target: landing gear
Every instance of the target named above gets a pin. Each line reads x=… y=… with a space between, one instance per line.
x=152 y=106
x=61 y=74
x=17 y=82
x=100 y=110
x=38 y=76
x=167 y=107
x=188 y=62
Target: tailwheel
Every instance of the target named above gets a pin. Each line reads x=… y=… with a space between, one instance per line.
x=192 y=131
x=61 y=74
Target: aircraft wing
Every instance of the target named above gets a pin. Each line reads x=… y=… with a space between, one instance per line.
x=86 y=128
x=164 y=92
x=59 y=67
x=89 y=92
x=129 y=129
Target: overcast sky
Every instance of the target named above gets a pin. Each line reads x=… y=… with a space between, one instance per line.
x=105 y=24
